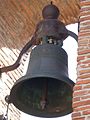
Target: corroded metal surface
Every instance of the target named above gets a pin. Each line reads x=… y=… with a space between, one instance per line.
x=45 y=90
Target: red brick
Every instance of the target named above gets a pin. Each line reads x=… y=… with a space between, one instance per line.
x=84 y=34
x=84 y=71
x=86 y=97
x=82 y=108
x=86 y=86
x=86 y=3
x=85 y=76
x=76 y=99
x=82 y=29
x=84 y=52
x=80 y=58
x=85 y=9
x=83 y=82
x=81 y=103
x=85 y=13
x=87 y=112
x=85 y=18
x=79 y=118
x=77 y=87
x=88 y=56
x=85 y=65
x=82 y=42
x=76 y=114
x=86 y=61
x=80 y=93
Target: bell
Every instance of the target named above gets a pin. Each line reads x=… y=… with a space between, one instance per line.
x=45 y=90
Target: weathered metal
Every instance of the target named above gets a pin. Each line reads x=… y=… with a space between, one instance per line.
x=50 y=26
x=50 y=12
x=45 y=90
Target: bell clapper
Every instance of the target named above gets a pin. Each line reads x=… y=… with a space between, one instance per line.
x=43 y=101
x=43 y=104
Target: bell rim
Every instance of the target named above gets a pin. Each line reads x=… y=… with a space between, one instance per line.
x=37 y=113
x=24 y=78
x=48 y=115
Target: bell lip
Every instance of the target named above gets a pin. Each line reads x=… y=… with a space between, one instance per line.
x=34 y=112
x=68 y=80
x=52 y=115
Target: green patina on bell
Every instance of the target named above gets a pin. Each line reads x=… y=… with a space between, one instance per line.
x=45 y=90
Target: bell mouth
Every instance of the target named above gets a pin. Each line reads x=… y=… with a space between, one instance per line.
x=29 y=94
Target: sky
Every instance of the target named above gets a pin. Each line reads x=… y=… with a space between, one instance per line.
x=70 y=46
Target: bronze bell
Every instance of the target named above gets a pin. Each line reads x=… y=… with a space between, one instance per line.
x=45 y=90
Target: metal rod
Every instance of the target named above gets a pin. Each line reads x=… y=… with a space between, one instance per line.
x=72 y=34
x=17 y=63
x=43 y=101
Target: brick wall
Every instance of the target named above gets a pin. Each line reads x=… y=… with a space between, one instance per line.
x=14 y=33
x=81 y=95
x=8 y=57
